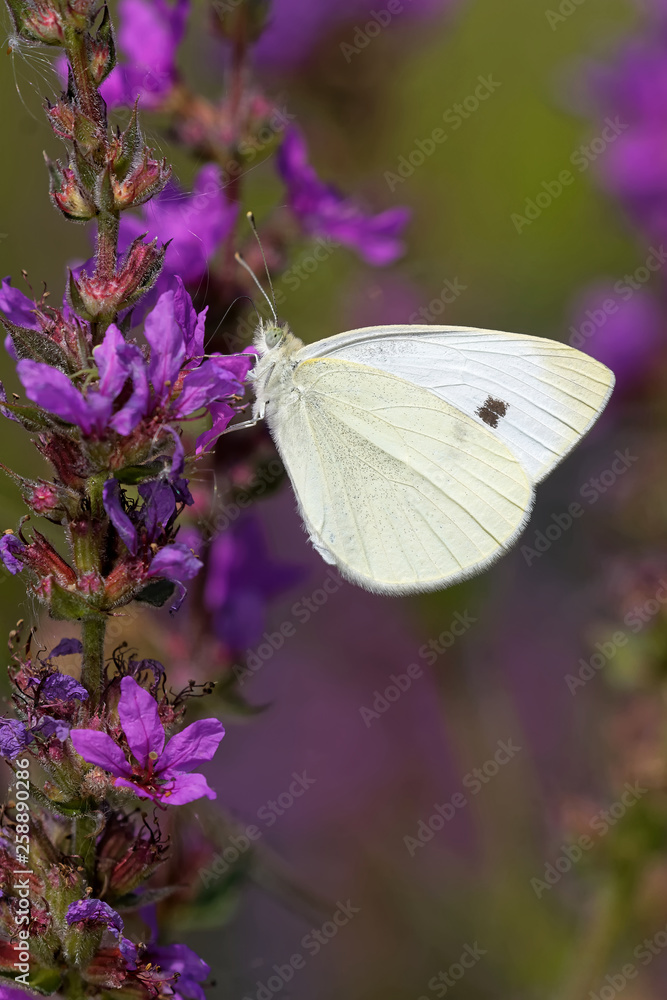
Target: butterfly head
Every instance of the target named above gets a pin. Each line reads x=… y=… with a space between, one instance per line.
x=271 y=337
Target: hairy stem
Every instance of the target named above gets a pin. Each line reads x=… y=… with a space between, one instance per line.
x=108 y=224
x=92 y=675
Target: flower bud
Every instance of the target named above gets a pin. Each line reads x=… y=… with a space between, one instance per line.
x=37 y=21
x=69 y=194
x=63 y=119
x=141 y=183
x=94 y=298
x=42 y=497
x=102 y=50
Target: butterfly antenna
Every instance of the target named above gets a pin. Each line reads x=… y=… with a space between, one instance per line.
x=246 y=266
x=253 y=225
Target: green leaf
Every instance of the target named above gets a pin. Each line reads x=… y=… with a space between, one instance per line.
x=157 y=593
x=37 y=346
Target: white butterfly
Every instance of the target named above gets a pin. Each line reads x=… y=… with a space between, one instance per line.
x=413 y=451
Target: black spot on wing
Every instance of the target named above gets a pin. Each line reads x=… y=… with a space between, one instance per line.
x=492 y=410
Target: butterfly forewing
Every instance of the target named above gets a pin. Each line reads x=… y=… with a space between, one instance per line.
x=539 y=397
x=403 y=491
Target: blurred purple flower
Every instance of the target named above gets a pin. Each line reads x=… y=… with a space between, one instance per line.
x=295 y=26
x=190 y=968
x=196 y=224
x=241 y=579
x=323 y=211
x=161 y=774
x=623 y=333
x=149 y=34
x=633 y=90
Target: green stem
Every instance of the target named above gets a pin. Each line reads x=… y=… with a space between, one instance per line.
x=108 y=224
x=92 y=674
x=597 y=941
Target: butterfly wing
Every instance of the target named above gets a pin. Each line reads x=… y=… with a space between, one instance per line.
x=399 y=489
x=539 y=397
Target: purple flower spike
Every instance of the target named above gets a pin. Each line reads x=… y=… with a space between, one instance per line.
x=14 y=738
x=62 y=687
x=323 y=211
x=161 y=774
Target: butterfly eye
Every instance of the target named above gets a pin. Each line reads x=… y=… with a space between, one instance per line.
x=273 y=336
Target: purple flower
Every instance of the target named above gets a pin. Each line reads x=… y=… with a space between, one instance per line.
x=10 y=548
x=54 y=391
x=633 y=93
x=148 y=37
x=14 y=738
x=17 y=307
x=97 y=913
x=176 y=382
x=323 y=211
x=190 y=968
x=176 y=563
x=94 y=911
x=159 y=773
x=48 y=726
x=241 y=580
x=196 y=225
x=62 y=687
x=66 y=647
x=626 y=334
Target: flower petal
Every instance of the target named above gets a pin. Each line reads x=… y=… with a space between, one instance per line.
x=186 y=788
x=111 y=495
x=112 y=363
x=66 y=647
x=10 y=547
x=167 y=343
x=51 y=389
x=96 y=911
x=176 y=563
x=99 y=749
x=140 y=720
x=62 y=687
x=192 y=747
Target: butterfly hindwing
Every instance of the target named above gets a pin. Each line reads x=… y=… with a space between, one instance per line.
x=400 y=489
